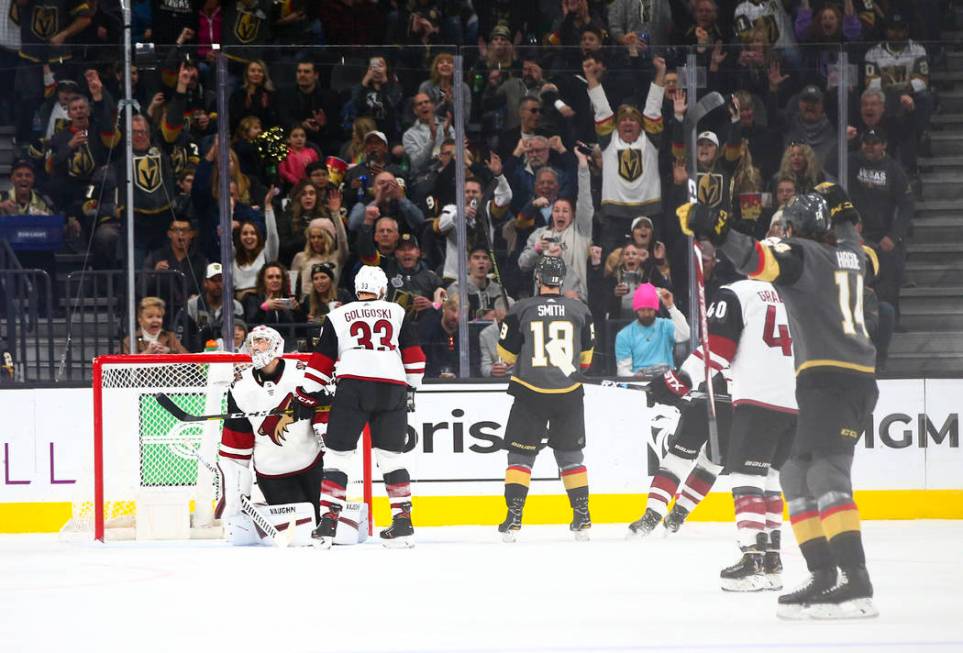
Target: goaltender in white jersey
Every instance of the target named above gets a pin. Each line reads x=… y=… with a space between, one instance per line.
x=285 y=447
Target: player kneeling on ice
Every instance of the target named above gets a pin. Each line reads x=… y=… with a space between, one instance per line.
x=379 y=365
x=748 y=332
x=547 y=337
x=287 y=448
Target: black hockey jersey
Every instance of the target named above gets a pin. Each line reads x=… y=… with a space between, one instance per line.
x=822 y=287
x=548 y=338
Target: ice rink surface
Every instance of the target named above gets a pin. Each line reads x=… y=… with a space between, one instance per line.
x=463 y=590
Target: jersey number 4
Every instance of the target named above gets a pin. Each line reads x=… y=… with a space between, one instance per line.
x=774 y=335
x=362 y=332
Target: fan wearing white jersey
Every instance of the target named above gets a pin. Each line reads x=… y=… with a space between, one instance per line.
x=286 y=447
x=375 y=352
x=749 y=335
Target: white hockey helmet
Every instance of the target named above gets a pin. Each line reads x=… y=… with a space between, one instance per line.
x=371 y=279
x=261 y=358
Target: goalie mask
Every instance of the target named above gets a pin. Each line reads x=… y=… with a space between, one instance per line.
x=262 y=356
x=371 y=279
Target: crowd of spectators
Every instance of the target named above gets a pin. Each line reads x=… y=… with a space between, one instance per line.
x=573 y=113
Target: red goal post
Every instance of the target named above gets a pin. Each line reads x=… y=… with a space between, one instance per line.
x=139 y=447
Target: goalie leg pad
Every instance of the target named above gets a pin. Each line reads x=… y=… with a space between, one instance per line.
x=236 y=480
x=239 y=530
x=299 y=516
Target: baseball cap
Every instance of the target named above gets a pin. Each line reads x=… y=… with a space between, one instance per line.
x=23 y=163
x=379 y=135
x=643 y=218
x=897 y=20
x=873 y=135
x=811 y=93
x=213 y=269
x=407 y=240
x=708 y=136
x=502 y=30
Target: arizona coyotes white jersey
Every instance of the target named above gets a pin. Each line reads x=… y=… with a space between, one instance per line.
x=749 y=334
x=370 y=341
x=279 y=445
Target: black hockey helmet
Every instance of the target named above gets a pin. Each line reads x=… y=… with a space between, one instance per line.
x=808 y=214
x=550 y=271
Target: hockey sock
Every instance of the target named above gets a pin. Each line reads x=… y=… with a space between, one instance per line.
x=333 y=491
x=575 y=480
x=804 y=517
x=840 y=522
x=517 y=479
x=773 y=519
x=665 y=482
x=398 y=486
x=750 y=503
x=696 y=486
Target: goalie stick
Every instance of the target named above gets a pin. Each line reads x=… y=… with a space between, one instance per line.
x=280 y=538
x=183 y=416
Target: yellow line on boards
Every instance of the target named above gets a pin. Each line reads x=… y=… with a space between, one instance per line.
x=551 y=509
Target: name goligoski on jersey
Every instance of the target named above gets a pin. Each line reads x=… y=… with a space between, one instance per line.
x=370 y=341
x=749 y=334
x=279 y=444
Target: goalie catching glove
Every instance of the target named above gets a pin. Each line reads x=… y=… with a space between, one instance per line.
x=672 y=389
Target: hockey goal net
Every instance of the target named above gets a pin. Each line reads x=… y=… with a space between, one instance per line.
x=142 y=452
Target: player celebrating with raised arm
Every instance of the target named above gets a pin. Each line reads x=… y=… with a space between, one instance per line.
x=818 y=271
x=379 y=365
x=547 y=337
x=748 y=332
x=286 y=447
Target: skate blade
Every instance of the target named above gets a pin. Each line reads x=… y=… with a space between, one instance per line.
x=794 y=612
x=854 y=609
x=774 y=582
x=748 y=584
x=581 y=536
x=403 y=542
x=322 y=542
x=637 y=535
x=509 y=537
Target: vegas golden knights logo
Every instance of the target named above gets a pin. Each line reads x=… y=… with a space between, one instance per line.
x=147 y=172
x=630 y=164
x=246 y=27
x=81 y=164
x=710 y=189
x=44 y=24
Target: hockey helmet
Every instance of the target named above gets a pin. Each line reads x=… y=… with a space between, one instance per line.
x=371 y=279
x=550 y=271
x=263 y=357
x=808 y=214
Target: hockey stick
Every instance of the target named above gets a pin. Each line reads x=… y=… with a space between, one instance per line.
x=715 y=455
x=709 y=103
x=644 y=387
x=280 y=538
x=183 y=416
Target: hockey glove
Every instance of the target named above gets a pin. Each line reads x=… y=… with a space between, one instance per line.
x=410 y=399
x=841 y=209
x=672 y=389
x=703 y=222
x=306 y=403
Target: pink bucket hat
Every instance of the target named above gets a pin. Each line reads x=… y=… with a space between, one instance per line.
x=645 y=297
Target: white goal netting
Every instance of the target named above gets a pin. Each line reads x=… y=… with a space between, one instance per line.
x=143 y=452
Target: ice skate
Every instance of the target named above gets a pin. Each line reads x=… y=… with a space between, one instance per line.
x=401 y=534
x=323 y=535
x=581 y=523
x=674 y=520
x=747 y=575
x=510 y=527
x=772 y=564
x=513 y=521
x=644 y=525
x=850 y=598
x=793 y=605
